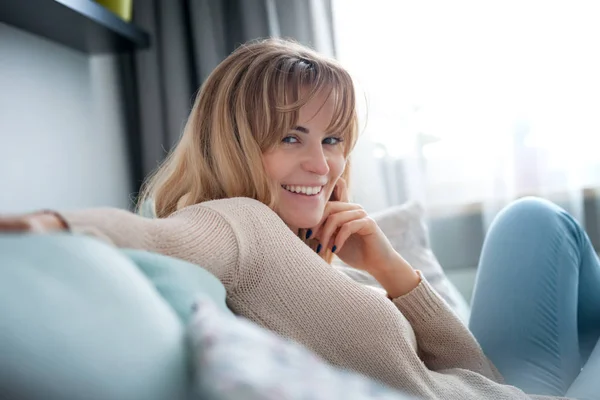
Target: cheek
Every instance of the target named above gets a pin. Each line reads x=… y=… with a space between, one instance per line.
x=274 y=165
x=337 y=165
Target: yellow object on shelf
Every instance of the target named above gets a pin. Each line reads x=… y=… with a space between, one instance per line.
x=122 y=8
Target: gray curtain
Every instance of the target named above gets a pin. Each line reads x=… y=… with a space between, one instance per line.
x=189 y=39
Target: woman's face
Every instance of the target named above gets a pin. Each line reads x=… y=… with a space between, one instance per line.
x=307 y=165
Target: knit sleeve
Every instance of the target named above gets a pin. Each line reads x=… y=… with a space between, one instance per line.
x=196 y=234
x=444 y=341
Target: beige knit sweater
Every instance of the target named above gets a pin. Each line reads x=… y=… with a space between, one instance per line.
x=415 y=343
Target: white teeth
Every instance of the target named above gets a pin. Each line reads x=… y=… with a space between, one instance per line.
x=308 y=190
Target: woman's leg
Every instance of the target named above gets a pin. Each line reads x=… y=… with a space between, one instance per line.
x=536 y=304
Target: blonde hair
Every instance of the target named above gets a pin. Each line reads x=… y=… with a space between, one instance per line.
x=245 y=107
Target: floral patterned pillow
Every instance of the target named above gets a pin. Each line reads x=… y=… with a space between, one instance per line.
x=237 y=359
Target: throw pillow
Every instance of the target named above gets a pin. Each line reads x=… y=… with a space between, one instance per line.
x=237 y=359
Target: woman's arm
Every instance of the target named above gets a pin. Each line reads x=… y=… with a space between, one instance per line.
x=197 y=234
x=361 y=243
x=444 y=342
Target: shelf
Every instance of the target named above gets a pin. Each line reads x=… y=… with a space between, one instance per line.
x=83 y=25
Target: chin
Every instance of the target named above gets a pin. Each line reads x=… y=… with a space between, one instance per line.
x=302 y=223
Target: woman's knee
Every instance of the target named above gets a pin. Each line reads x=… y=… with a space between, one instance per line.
x=532 y=211
x=529 y=220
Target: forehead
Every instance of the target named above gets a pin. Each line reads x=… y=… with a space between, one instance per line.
x=318 y=111
x=326 y=106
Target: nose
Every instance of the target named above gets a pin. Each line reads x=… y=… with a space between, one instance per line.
x=315 y=160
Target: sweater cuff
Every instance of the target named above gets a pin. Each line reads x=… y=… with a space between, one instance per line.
x=420 y=303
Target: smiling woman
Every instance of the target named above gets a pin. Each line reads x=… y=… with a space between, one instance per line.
x=259 y=173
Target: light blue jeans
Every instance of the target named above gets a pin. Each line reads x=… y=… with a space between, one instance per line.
x=536 y=304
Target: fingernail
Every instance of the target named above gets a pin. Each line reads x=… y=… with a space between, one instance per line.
x=319 y=248
x=333 y=248
x=308 y=233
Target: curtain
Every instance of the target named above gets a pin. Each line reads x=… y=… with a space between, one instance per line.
x=470 y=105
x=189 y=39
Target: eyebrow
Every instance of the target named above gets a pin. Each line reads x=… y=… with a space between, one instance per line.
x=301 y=129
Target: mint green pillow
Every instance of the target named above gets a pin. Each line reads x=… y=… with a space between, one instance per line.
x=179 y=282
x=79 y=320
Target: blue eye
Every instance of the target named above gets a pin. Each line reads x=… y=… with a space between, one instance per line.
x=333 y=140
x=290 y=139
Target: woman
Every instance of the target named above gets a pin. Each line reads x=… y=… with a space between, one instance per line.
x=256 y=193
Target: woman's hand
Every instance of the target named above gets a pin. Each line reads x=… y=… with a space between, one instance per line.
x=357 y=240
x=38 y=222
x=351 y=234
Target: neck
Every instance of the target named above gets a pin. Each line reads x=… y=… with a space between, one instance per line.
x=294 y=229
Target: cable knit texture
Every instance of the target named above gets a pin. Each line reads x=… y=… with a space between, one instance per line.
x=415 y=343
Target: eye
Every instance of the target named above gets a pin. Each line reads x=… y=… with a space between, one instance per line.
x=333 y=140
x=290 y=139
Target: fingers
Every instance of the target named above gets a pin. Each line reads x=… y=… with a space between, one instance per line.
x=337 y=212
x=336 y=222
x=332 y=208
x=11 y=224
x=41 y=222
x=341 y=189
x=348 y=230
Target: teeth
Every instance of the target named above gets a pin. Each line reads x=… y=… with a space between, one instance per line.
x=308 y=190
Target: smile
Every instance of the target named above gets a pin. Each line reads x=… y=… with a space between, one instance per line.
x=306 y=190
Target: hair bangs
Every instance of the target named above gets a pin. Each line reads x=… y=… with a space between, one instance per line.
x=344 y=120
x=296 y=82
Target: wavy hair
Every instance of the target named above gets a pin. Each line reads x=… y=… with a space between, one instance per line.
x=246 y=107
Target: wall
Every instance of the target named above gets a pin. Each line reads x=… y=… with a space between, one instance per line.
x=62 y=130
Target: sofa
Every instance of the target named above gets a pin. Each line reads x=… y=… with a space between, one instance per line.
x=81 y=319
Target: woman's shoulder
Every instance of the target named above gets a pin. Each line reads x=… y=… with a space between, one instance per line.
x=235 y=205
x=235 y=202
x=231 y=207
x=247 y=214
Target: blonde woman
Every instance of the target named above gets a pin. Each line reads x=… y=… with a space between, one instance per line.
x=255 y=192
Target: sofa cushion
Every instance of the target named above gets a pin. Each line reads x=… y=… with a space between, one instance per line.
x=227 y=350
x=78 y=320
x=178 y=282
